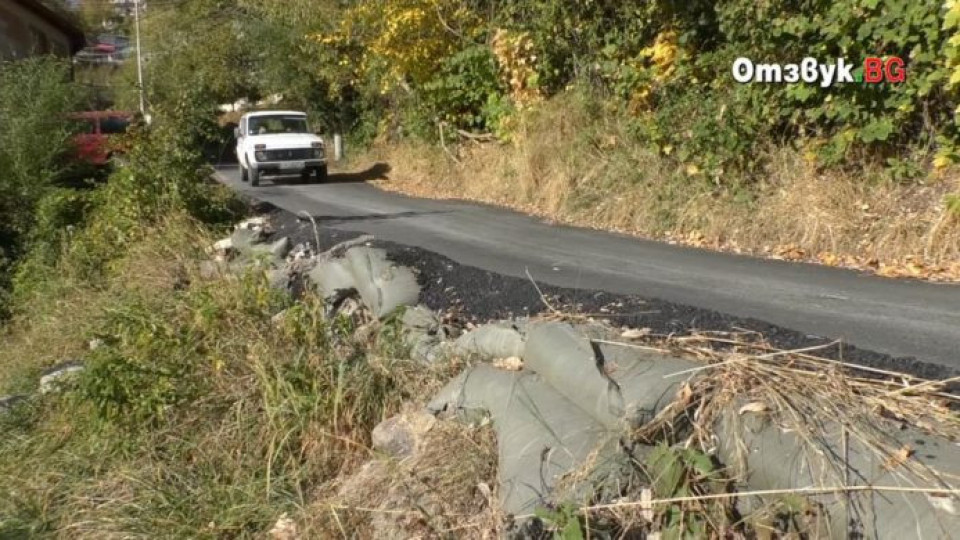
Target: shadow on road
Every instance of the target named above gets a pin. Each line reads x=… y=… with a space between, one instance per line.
x=377 y=171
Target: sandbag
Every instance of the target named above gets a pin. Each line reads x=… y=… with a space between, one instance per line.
x=618 y=386
x=541 y=435
x=490 y=341
x=769 y=457
x=382 y=285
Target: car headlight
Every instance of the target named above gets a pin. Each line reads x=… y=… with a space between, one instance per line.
x=260 y=155
x=318 y=153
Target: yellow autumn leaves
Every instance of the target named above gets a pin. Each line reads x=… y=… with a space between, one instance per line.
x=407 y=39
x=515 y=54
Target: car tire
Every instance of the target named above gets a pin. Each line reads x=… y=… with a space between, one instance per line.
x=322 y=173
x=254 y=177
x=244 y=177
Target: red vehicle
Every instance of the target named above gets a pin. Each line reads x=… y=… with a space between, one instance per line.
x=98 y=133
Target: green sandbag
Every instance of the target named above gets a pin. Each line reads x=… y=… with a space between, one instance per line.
x=540 y=434
x=767 y=457
x=619 y=386
x=382 y=285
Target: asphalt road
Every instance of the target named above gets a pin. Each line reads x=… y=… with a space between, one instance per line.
x=899 y=318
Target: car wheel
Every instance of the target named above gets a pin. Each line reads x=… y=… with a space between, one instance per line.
x=322 y=173
x=254 y=177
x=244 y=177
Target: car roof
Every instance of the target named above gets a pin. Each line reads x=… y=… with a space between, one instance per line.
x=274 y=113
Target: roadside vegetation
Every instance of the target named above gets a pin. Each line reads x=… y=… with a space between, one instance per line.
x=198 y=414
x=35 y=97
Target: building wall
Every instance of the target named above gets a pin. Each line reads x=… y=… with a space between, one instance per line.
x=23 y=33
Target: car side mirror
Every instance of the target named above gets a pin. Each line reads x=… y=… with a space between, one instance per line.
x=236 y=132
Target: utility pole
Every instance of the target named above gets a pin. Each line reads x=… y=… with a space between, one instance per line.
x=136 y=16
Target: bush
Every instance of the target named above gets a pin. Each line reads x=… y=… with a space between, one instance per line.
x=35 y=97
x=165 y=174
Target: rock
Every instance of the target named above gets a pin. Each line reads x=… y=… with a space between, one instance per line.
x=210 y=270
x=95 y=344
x=431 y=350
x=424 y=335
x=222 y=247
x=401 y=436
x=258 y=223
x=300 y=252
x=420 y=319
x=58 y=375
x=278 y=319
x=284 y=529
x=278 y=278
x=513 y=363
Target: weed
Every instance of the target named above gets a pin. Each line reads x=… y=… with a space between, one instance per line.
x=564 y=521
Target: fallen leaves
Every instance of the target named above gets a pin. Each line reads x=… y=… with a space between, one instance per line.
x=898 y=458
x=512 y=363
x=635 y=333
x=754 y=407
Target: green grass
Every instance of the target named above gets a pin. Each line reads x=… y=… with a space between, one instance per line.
x=199 y=417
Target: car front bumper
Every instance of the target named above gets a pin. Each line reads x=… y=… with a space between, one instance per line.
x=288 y=167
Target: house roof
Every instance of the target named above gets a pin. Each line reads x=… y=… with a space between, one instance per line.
x=57 y=18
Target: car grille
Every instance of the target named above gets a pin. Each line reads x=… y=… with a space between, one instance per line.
x=284 y=155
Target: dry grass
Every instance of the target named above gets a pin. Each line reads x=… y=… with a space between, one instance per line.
x=65 y=313
x=200 y=415
x=570 y=165
x=816 y=400
x=447 y=489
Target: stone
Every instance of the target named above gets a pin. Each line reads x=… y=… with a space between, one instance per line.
x=279 y=319
x=258 y=223
x=401 y=436
x=284 y=529
x=278 y=278
x=222 y=246
x=300 y=252
x=58 y=375
x=243 y=239
x=210 y=270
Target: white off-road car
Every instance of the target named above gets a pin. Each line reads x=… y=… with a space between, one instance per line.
x=279 y=143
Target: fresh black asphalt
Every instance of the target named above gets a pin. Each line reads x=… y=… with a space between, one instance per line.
x=482 y=255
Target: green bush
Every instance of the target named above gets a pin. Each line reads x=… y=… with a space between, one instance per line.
x=467 y=90
x=165 y=173
x=35 y=98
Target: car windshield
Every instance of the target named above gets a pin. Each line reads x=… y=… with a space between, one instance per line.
x=113 y=125
x=266 y=125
